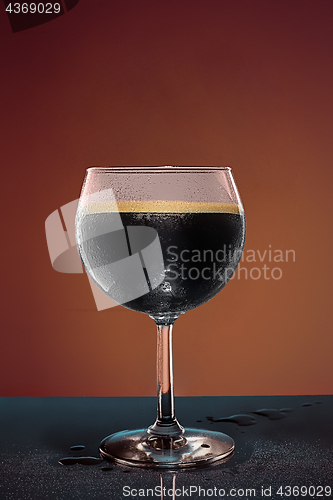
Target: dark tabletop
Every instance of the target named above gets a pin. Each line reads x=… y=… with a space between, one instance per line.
x=286 y=454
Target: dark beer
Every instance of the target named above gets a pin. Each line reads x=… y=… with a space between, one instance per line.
x=201 y=246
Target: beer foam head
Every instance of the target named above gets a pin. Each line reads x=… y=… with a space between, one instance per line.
x=161 y=206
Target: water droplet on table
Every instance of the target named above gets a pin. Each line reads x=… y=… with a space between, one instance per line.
x=273 y=413
x=77 y=447
x=236 y=419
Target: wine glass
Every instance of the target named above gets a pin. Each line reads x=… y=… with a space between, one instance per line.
x=161 y=240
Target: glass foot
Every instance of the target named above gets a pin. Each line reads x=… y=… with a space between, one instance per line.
x=194 y=448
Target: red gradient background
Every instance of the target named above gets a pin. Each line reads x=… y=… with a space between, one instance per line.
x=149 y=82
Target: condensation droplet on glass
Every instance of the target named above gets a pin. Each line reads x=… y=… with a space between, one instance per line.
x=166 y=287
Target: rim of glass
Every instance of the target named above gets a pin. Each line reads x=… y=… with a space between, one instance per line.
x=158 y=169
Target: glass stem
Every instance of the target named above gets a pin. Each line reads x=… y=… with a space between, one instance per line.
x=166 y=423
x=165 y=402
